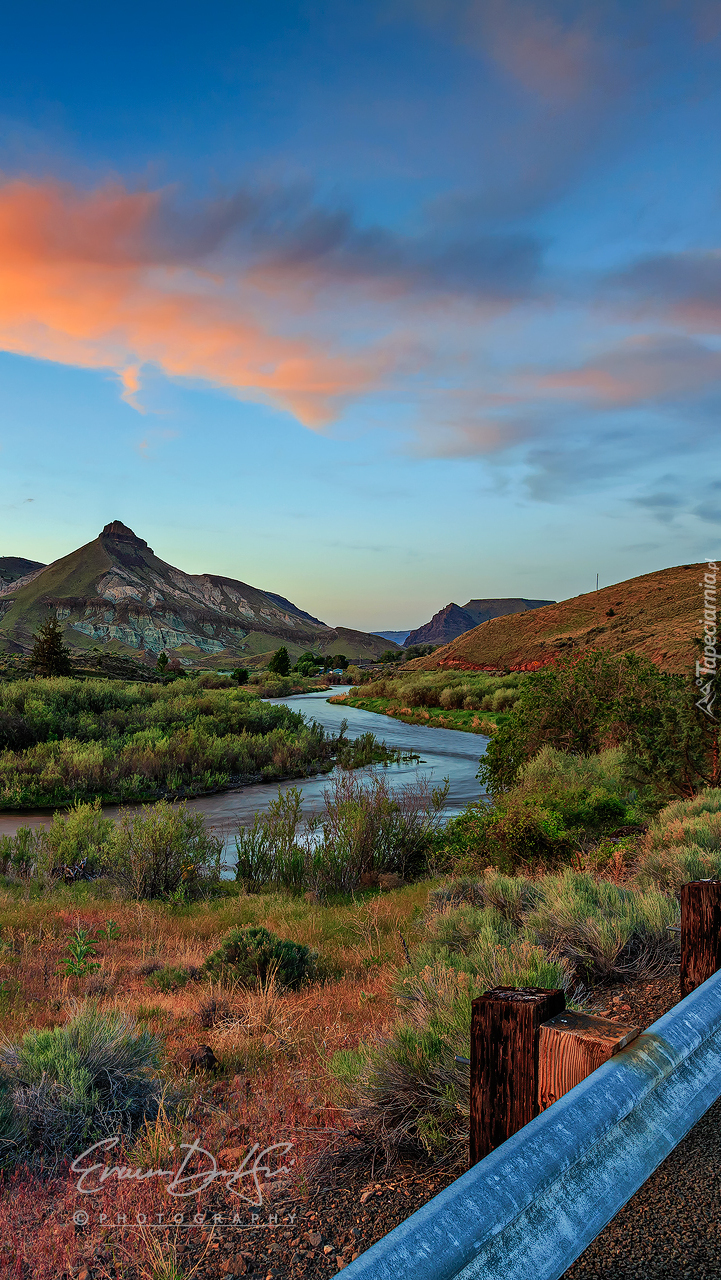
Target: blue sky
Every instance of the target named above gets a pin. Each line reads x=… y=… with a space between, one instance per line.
x=377 y=305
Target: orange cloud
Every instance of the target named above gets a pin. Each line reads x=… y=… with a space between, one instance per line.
x=80 y=283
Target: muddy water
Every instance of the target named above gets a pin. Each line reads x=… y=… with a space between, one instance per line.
x=443 y=753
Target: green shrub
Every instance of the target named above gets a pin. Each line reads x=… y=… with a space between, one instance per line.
x=584 y=704
x=411 y=1093
x=684 y=843
x=559 y=802
x=170 y=978
x=250 y=955
x=603 y=931
x=163 y=848
x=67 y=1087
x=365 y=828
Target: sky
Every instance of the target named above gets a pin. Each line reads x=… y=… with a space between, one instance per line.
x=377 y=304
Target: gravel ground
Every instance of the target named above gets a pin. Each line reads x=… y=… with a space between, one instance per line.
x=671 y=1227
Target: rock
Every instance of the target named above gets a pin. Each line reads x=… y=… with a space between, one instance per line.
x=327 y=1248
x=314 y=1238
x=390 y=880
x=201 y=1058
x=232 y=1156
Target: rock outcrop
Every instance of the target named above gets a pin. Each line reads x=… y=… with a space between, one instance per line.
x=455 y=620
x=115 y=593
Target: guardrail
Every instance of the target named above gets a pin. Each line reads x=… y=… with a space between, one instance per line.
x=528 y=1209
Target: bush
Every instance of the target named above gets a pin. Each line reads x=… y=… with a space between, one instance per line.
x=365 y=829
x=412 y=1093
x=585 y=704
x=165 y=849
x=684 y=843
x=169 y=978
x=249 y=956
x=559 y=803
x=604 y=932
x=70 y=1086
x=81 y=834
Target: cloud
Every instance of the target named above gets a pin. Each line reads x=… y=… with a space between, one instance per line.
x=80 y=285
x=646 y=368
x=248 y=293
x=682 y=287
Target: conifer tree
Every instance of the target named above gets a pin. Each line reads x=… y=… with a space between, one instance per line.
x=50 y=657
x=280 y=662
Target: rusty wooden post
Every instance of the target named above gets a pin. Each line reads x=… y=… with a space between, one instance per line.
x=504 y=1062
x=571 y=1046
x=700 y=933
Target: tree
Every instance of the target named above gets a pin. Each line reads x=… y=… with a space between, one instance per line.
x=162 y=663
x=308 y=664
x=584 y=704
x=391 y=655
x=280 y=662
x=240 y=675
x=341 y=661
x=50 y=657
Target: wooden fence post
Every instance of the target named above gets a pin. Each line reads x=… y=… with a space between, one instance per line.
x=571 y=1046
x=504 y=1062
x=700 y=933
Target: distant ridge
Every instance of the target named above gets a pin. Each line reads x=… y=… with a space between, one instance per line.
x=453 y=620
x=656 y=615
x=115 y=593
x=13 y=568
x=397 y=637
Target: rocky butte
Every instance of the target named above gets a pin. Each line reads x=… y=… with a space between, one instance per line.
x=116 y=593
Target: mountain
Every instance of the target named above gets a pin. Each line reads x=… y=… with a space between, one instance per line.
x=397 y=637
x=14 y=567
x=451 y=622
x=116 y=593
x=656 y=615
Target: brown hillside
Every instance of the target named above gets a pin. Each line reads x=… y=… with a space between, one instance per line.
x=656 y=615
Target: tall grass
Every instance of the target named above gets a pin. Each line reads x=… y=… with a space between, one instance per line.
x=683 y=843
x=365 y=829
x=65 y=739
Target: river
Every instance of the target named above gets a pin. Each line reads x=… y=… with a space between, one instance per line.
x=444 y=753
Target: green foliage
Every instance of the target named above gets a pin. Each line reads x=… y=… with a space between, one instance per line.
x=67 y=1087
x=603 y=931
x=561 y=931
x=170 y=978
x=81 y=954
x=50 y=657
x=364 y=829
x=249 y=956
x=162 y=663
x=684 y=843
x=308 y=664
x=240 y=675
x=584 y=704
x=126 y=742
x=280 y=662
x=163 y=848
x=558 y=804
x=81 y=834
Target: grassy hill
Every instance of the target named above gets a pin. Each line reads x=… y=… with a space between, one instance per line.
x=656 y=615
x=117 y=594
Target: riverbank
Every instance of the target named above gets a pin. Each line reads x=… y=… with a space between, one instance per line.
x=485 y=723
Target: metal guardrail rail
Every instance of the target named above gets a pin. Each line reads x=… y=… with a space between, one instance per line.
x=531 y=1207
